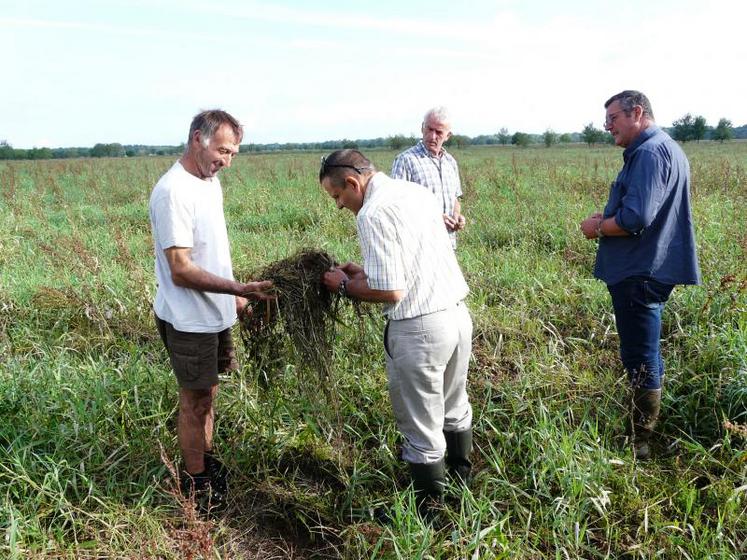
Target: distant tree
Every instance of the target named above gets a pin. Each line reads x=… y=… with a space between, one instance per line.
x=565 y=138
x=108 y=150
x=6 y=150
x=682 y=129
x=521 y=139
x=66 y=153
x=723 y=131
x=549 y=138
x=458 y=140
x=699 y=128
x=503 y=136
x=592 y=135
x=349 y=144
x=39 y=153
x=99 y=150
x=398 y=141
x=363 y=144
x=484 y=139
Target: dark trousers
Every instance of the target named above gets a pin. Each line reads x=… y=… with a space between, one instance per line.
x=638 y=304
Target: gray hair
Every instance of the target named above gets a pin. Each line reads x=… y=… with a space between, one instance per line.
x=440 y=114
x=207 y=122
x=629 y=99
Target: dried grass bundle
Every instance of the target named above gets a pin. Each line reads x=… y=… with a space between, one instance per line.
x=305 y=312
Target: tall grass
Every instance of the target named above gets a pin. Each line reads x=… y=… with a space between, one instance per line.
x=88 y=403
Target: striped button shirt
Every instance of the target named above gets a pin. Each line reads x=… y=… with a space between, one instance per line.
x=405 y=247
x=438 y=174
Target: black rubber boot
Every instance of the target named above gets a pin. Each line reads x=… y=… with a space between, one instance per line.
x=217 y=472
x=458 y=449
x=196 y=487
x=429 y=481
x=645 y=413
x=208 y=498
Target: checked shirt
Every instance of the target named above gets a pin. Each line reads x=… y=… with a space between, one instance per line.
x=405 y=247
x=438 y=174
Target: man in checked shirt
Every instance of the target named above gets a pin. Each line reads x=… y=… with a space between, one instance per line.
x=428 y=164
x=410 y=267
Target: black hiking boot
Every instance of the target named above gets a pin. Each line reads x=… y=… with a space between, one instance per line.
x=198 y=489
x=217 y=472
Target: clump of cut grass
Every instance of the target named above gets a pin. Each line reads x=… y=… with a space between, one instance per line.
x=305 y=312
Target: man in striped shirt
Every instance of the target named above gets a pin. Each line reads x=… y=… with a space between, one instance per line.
x=429 y=165
x=410 y=267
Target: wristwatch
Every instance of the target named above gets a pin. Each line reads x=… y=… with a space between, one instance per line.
x=342 y=289
x=599 y=228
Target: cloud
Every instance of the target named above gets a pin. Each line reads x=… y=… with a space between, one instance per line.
x=294 y=73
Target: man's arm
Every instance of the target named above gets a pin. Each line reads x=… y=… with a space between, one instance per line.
x=186 y=274
x=356 y=285
x=646 y=182
x=640 y=205
x=400 y=168
x=458 y=219
x=596 y=226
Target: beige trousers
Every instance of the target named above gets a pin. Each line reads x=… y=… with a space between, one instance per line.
x=426 y=361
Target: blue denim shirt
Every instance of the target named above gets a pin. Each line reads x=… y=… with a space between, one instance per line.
x=650 y=199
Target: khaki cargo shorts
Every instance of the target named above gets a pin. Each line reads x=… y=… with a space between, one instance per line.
x=198 y=358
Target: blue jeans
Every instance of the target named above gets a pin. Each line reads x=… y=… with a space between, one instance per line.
x=638 y=303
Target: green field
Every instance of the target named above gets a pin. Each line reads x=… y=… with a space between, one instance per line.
x=88 y=402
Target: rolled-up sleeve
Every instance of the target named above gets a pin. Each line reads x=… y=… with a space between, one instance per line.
x=646 y=184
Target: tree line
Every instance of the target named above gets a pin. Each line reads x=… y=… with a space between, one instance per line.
x=686 y=129
x=7 y=151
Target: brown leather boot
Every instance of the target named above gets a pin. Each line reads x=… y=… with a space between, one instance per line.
x=645 y=413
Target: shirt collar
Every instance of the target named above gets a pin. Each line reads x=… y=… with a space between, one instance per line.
x=424 y=151
x=640 y=139
x=376 y=177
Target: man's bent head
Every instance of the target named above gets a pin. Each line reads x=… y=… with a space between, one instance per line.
x=344 y=175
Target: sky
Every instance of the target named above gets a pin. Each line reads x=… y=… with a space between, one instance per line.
x=76 y=73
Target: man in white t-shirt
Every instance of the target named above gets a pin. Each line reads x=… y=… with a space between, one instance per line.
x=198 y=300
x=410 y=267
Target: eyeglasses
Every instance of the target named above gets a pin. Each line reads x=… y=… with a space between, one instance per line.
x=325 y=166
x=610 y=119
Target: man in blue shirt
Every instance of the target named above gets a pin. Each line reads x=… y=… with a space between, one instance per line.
x=646 y=247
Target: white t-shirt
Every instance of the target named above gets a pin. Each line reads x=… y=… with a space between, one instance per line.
x=186 y=211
